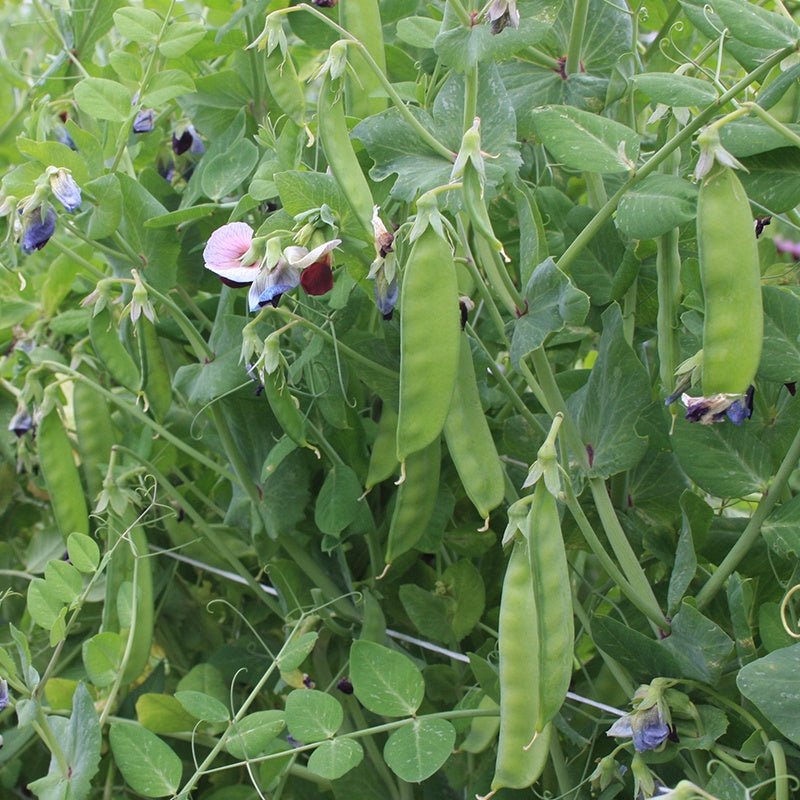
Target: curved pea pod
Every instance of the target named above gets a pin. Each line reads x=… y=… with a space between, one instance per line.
x=733 y=327
x=61 y=476
x=96 y=435
x=476 y=207
x=482 y=730
x=112 y=353
x=383 y=458
x=416 y=500
x=285 y=86
x=335 y=140
x=156 y=377
x=430 y=333
x=129 y=568
x=285 y=408
x=554 y=626
x=521 y=754
x=470 y=441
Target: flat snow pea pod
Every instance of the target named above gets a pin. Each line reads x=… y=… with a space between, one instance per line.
x=552 y=599
x=430 y=333
x=96 y=435
x=416 y=500
x=733 y=328
x=335 y=140
x=285 y=86
x=476 y=207
x=383 y=458
x=61 y=476
x=470 y=441
x=519 y=763
x=109 y=349
x=156 y=377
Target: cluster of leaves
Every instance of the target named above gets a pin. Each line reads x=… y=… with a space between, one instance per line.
x=135 y=613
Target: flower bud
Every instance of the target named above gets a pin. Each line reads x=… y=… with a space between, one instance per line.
x=37 y=229
x=63 y=186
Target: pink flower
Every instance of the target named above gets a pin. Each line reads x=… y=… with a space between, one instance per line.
x=225 y=253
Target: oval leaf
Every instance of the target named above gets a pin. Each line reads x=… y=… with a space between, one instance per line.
x=252 y=735
x=104 y=99
x=386 y=682
x=337 y=502
x=417 y=750
x=102 y=656
x=149 y=766
x=655 y=206
x=675 y=90
x=203 y=706
x=335 y=758
x=83 y=552
x=312 y=715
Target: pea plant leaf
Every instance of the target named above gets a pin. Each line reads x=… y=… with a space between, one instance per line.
x=656 y=205
x=771 y=181
x=254 y=734
x=385 y=681
x=335 y=758
x=312 y=715
x=675 y=90
x=780 y=355
x=756 y=26
x=416 y=751
x=149 y=765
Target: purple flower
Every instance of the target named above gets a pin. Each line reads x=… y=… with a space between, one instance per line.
x=20 y=423
x=385 y=295
x=144 y=121
x=62 y=135
x=225 y=254
x=3 y=694
x=37 y=230
x=188 y=140
x=63 y=186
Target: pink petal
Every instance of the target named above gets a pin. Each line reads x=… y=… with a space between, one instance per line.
x=225 y=248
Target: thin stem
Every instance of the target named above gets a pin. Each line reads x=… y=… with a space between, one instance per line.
x=753 y=529
x=781 y=773
x=604 y=214
x=580 y=14
x=79 y=259
x=462 y=14
x=779 y=127
x=470 y=94
x=542 y=59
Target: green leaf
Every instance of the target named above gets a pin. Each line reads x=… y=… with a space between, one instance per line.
x=780 y=356
x=427 y=611
x=724 y=460
x=756 y=26
x=300 y=191
x=166 y=86
x=225 y=171
x=296 y=651
x=770 y=683
x=695 y=521
x=253 y=735
x=385 y=681
x=174 y=218
x=44 y=604
x=750 y=137
x=675 y=90
x=338 y=500
x=416 y=751
x=584 y=141
x=205 y=678
x=553 y=303
x=180 y=37
x=57 y=155
x=104 y=99
x=656 y=205
x=464 y=587
x=107 y=213
x=149 y=766
x=773 y=179
x=138 y=24
x=700 y=647
x=418 y=31
x=335 y=758
x=162 y=713
x=617 y=392
x=781 y=529
x=202 y=706
x=312 y=715
x=63 y=580
x=102 y=656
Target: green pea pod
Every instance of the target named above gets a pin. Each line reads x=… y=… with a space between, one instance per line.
x=521 y=754
x=733 y=328
x=482 y=730
x=364 y=96
x=430 y=332
x=476 y=207
x=470 y=441
x=120 y=576
x=552 y=599
x=110 y=350
x=383 y=459
x=285 y=409
x=61 y=476
x=335 y=140
x=96 y=435
x=285 y=86
x=156 y=377
x=416 y=500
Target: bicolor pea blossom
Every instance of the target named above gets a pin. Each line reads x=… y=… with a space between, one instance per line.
x=37 y=228
x=228 y=254
x=144 y=121
x=189 y=140
x=648 y=724
x=64 y=188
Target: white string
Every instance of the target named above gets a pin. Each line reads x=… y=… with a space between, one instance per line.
x=402 y=637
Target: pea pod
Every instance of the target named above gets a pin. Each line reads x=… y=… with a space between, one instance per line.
x=364 y=96
x=416 y=500
x=338 y=149
x=285 y=87
x=733 y=327
x=61 y=476
x=156 y=377
x=96 y=435
x=521 y=756
x=109 y=349
x=383 y=459
x=552 y=599
x=470 y=441
x=285 y=408
x=430 y=332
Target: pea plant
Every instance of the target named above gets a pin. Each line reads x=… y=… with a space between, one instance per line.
x=398 y=399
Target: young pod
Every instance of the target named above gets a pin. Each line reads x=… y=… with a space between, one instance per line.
x=733 y=327
x=112 y=353
x=383 y=458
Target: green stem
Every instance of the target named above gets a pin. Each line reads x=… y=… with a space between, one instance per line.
x=45 y=733
x=781 y=774
x=255 y=72
x=662 y=31
x=580 y=14
x=463 y=17
x=779 y=127
x=753 y=529
x=595 y=190
x=470 y=95
x=136 y=260
x=499 y=279
x=542 y=59
x=604 y=214
x=622 y=548
x=78 y=259
x=629 y=312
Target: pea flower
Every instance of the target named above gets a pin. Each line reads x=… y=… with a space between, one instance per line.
x=63 y=186
x=228 y=254
x=37 y=228
x=187 y=140
x=711 y=150
x=62 y=136
x=20 y=423
x=502 y=13
x=648 y=724
x=383 y=269
x=3 y=694
x=145 y=121
x=708 y=410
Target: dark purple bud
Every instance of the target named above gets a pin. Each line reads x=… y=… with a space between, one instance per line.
x=307 y=682
x=386 y=296
x=791 y=388
x=36 y=232
x=188 y=140
x=345 y=686
x=324 y=3
x=20 y=423
x=761 y=223
x=144 y=121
